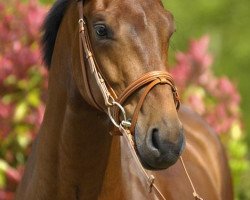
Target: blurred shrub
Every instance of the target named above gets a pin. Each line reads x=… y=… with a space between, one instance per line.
x=214 y=98
x=23 y=85
x=218 y=101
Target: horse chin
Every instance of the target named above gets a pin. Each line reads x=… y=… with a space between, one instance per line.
x=153 y=160
x=153 y=164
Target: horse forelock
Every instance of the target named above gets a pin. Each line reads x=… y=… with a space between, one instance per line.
x=50 y=29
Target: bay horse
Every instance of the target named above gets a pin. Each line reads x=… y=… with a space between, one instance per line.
x=110 y=57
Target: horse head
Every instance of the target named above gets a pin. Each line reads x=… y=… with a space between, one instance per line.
x=130 y=39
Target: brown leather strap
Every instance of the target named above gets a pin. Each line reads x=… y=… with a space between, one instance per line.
x=82 y=46
x=142 y=98
x=142 y=81
x=90 y=97
x=110 y=89
x=87 y=52
x=140 y=103
x=150 y=79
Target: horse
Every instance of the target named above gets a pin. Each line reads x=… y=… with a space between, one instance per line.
x=110 y=57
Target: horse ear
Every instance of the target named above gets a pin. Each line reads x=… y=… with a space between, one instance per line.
x=161 y=3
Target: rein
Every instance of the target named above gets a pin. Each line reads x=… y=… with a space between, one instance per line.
x=113 y=103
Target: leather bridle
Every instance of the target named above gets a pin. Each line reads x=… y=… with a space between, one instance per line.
x=113 y=103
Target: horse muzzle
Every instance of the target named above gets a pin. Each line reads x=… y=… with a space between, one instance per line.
x=159 y=148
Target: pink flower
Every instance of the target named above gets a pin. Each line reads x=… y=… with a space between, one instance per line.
x=13 y=175
x=198 y=51
x=182 y=71
x=228 y=89
x=5 y=68
x=19 y=52
x=197 y=103
x=226 y=86
x=32 y=14
x=5 y=195
x=220 y=103
x=5 y=110
x=1 y=7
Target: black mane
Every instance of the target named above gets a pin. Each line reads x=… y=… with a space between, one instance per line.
x=50 y=28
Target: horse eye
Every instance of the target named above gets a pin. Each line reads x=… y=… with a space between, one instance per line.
x=101 y=30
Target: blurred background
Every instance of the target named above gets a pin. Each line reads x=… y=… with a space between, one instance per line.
x=209 y=58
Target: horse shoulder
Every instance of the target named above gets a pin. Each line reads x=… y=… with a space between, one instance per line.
x=205 y=152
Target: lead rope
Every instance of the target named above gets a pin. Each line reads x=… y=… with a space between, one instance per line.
x=150 y=178
x=196 y=196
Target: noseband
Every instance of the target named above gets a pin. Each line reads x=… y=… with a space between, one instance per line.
x=112 y=102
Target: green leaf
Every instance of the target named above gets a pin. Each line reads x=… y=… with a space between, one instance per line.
x=3 y=165
x=10 y=80
x=20 y=112
x=3 y=168
x=23 y=139
x=34 y=98
x=2 y=180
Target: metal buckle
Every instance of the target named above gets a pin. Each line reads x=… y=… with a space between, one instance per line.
x=124 y=123
x=108 y=99
x=81 y=25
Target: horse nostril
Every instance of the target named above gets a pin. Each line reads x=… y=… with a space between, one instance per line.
x=160 y=147
x=155 y=138
x=160 y=143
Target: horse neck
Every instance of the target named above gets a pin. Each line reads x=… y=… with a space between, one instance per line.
x=74 y=142
x=73 y=157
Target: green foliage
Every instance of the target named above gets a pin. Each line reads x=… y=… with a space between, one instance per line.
x=46 y=1
x=237 y=151
x=22 y=82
